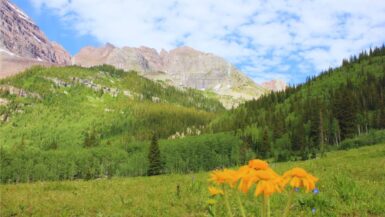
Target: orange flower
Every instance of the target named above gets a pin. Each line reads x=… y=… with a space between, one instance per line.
x=215 y=191
x=248 y=174
x=269 y=182
x=266 y=181
x=298 y=177
x=267 y=187
x=227 y=176
x=258 y=164
x=248 y=178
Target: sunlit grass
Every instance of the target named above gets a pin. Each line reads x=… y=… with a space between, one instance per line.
x=351 y=184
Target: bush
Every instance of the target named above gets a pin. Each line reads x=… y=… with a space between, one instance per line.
x=282 y=156
x=373 y=137
x=199 y=153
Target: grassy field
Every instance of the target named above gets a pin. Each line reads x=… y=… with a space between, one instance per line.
x=352 y=183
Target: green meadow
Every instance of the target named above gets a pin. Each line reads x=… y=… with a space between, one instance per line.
x=351 y=183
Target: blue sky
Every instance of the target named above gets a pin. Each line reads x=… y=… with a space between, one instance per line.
x=55 y=29
x=280 y=39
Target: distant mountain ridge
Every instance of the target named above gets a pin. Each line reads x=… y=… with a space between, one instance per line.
x=181 y=67
x=23 y=44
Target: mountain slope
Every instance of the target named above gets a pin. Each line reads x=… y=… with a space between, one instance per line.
x=63 y=105
x=22 y=44
x=339 y=104
x=181 y=67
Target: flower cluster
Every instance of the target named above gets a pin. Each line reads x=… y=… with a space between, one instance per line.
x=261 y=179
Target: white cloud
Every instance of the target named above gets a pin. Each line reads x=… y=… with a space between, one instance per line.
x=266 y=39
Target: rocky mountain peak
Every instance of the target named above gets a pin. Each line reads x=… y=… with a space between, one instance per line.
x=109 y=45
x=182 y=67
x=275 y=85
x=22 y=43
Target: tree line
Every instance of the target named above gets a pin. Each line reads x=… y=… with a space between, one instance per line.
x=304 y=120
x=191 y=154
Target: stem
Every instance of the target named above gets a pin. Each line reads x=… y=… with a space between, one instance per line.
x=241 y=206
x=227 y=203
x=263 y=209
x=288 y=205
x=267 y=199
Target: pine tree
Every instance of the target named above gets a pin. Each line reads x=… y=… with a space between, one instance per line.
x=155 y=163
x=321 y=131
x=345 y=111
x=265 y=148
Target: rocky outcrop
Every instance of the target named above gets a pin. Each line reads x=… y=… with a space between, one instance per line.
x=18 y=92
x=114 y=92
x=275 y=85
x=22 y=44
x=181 y=67
x=3 y=102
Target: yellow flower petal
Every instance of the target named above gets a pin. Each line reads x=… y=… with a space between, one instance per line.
x=258 y=164
x=215 y=191
x=298 y=177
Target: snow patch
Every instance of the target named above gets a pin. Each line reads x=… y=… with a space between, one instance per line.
x=20 y=13
x=36 y=38
x=7 y=52
x=217 y=87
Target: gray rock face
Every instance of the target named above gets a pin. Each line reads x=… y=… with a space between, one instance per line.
x=22 y=44
x=183 y=67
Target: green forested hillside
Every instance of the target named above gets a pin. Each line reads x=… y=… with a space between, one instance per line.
x=72 y=122
x=336 y=105
x=76 y=123
x=62 y=106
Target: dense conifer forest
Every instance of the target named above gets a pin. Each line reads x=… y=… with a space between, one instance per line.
x=304 y=120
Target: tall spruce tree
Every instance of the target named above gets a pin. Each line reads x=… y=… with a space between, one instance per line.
x=265 y=147
x=155 y=162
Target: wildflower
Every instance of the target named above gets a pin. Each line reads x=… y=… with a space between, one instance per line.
x=266 y=181
x=219 y=176
x=258 y=164
x=215 y=191
x=298 y=177
x=224 y=177
x=313 y=210
x=269 y=182
x=315 y=191
x=248 y=174
x=211 y=202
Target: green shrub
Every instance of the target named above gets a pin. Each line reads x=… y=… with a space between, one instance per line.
x=373 y=137
x=185 y=155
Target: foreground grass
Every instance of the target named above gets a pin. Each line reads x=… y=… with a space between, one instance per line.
x=352 y=183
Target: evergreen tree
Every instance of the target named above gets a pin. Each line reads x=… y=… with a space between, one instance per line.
x=155 y=163
x=345 y=111
x=265 y=148
x=321 y=132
